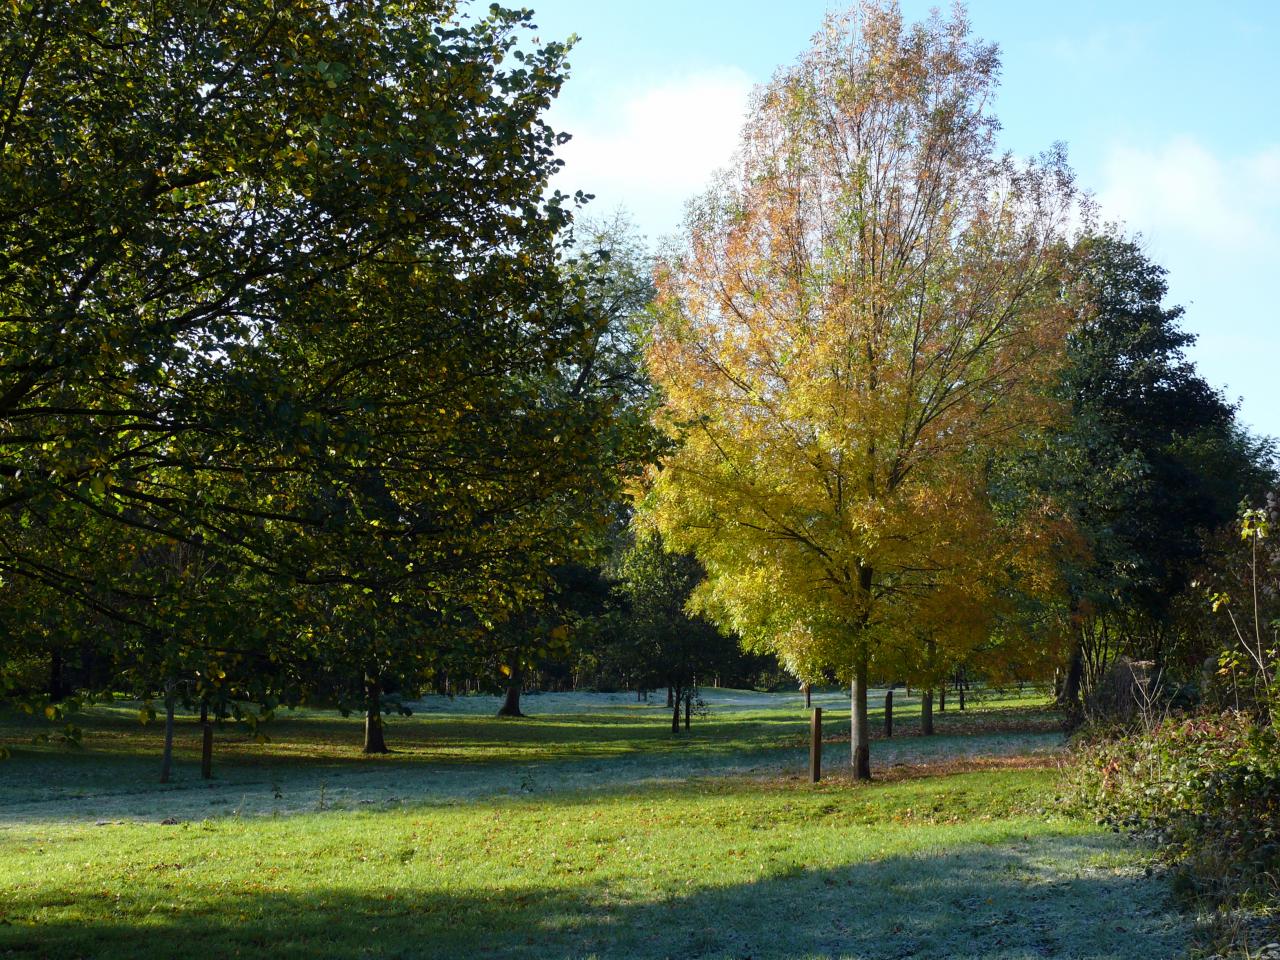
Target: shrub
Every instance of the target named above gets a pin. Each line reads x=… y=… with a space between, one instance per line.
x=1205 y=788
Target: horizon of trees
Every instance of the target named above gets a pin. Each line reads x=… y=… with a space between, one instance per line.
x=312 y=390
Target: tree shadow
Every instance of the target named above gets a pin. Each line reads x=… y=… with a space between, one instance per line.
x=1051 y=897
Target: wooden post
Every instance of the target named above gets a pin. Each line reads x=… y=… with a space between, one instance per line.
x=815 y=746
x=206 y=745
x=888 y=713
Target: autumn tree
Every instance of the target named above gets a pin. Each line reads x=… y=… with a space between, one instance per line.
x=864 y=307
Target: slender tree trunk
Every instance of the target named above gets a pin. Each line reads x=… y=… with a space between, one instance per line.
x=926 y=713
x=166 y=761
x=206 y=743
x=860 y=736
x=1069 y=697
x=1069 y=693
x=511 y=703
x=375 y=740
x=57 y=682
x=808 y=696
x=815 y=746
x=960 y=685
x=671 y=697
x=888 y=713
x=942 y=697
x=688 y=706
x=674 y=702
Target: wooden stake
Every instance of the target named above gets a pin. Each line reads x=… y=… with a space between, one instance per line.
x=815 y=746
x=206 y=743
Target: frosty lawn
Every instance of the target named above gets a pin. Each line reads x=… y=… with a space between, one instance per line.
x=587 y=833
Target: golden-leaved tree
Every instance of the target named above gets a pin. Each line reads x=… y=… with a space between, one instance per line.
x=867 y=307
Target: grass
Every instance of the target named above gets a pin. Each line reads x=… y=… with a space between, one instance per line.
x=585 y=833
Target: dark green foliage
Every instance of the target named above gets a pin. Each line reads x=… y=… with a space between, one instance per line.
x=656 y=641
x=1150 y=466
x=1162 y=460
x=303 y=384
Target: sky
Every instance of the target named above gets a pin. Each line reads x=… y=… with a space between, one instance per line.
x=1170 y=112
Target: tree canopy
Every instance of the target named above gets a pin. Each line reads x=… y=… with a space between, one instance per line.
x=866 y=306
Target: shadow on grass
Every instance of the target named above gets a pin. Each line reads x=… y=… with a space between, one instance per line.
x=1052 y=897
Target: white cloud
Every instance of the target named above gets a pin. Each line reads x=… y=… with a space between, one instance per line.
x=1213 y=220
x=1181 y=191
x=654 y=148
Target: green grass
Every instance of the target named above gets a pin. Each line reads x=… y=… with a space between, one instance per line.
x=584 y=833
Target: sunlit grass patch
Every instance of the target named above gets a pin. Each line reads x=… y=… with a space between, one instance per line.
x=719 y=868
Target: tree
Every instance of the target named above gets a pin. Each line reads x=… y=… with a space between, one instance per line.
x=1150 y=463
x=865 y=308
x=287 y=286
x=670 y=647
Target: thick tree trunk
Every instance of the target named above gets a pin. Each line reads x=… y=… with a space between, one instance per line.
x=926 y=713
x=888 y=713
x=166 y=761
x=859 y=733
x=375 y=740
x=206 y=743
x=511 y=702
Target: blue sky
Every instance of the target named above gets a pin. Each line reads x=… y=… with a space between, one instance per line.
x=1170 y=111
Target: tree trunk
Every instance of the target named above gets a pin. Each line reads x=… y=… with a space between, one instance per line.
x=815 y=746
x=674 y=702
x=511 y=703
x=808 y=696
x=1069 y=696
x=671 y=698
x=859 y=734
x=57 y=683
x=206 y=743
x=688 y=706
x=888 y=713
x=960 y=691
x=926 y=713
x=942 y=697
x=166 y=761
x=375 y=740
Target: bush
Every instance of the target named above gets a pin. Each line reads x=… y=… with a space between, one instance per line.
x=1206 y=789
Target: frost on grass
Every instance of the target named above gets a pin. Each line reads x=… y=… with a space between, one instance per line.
x=286 y=787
